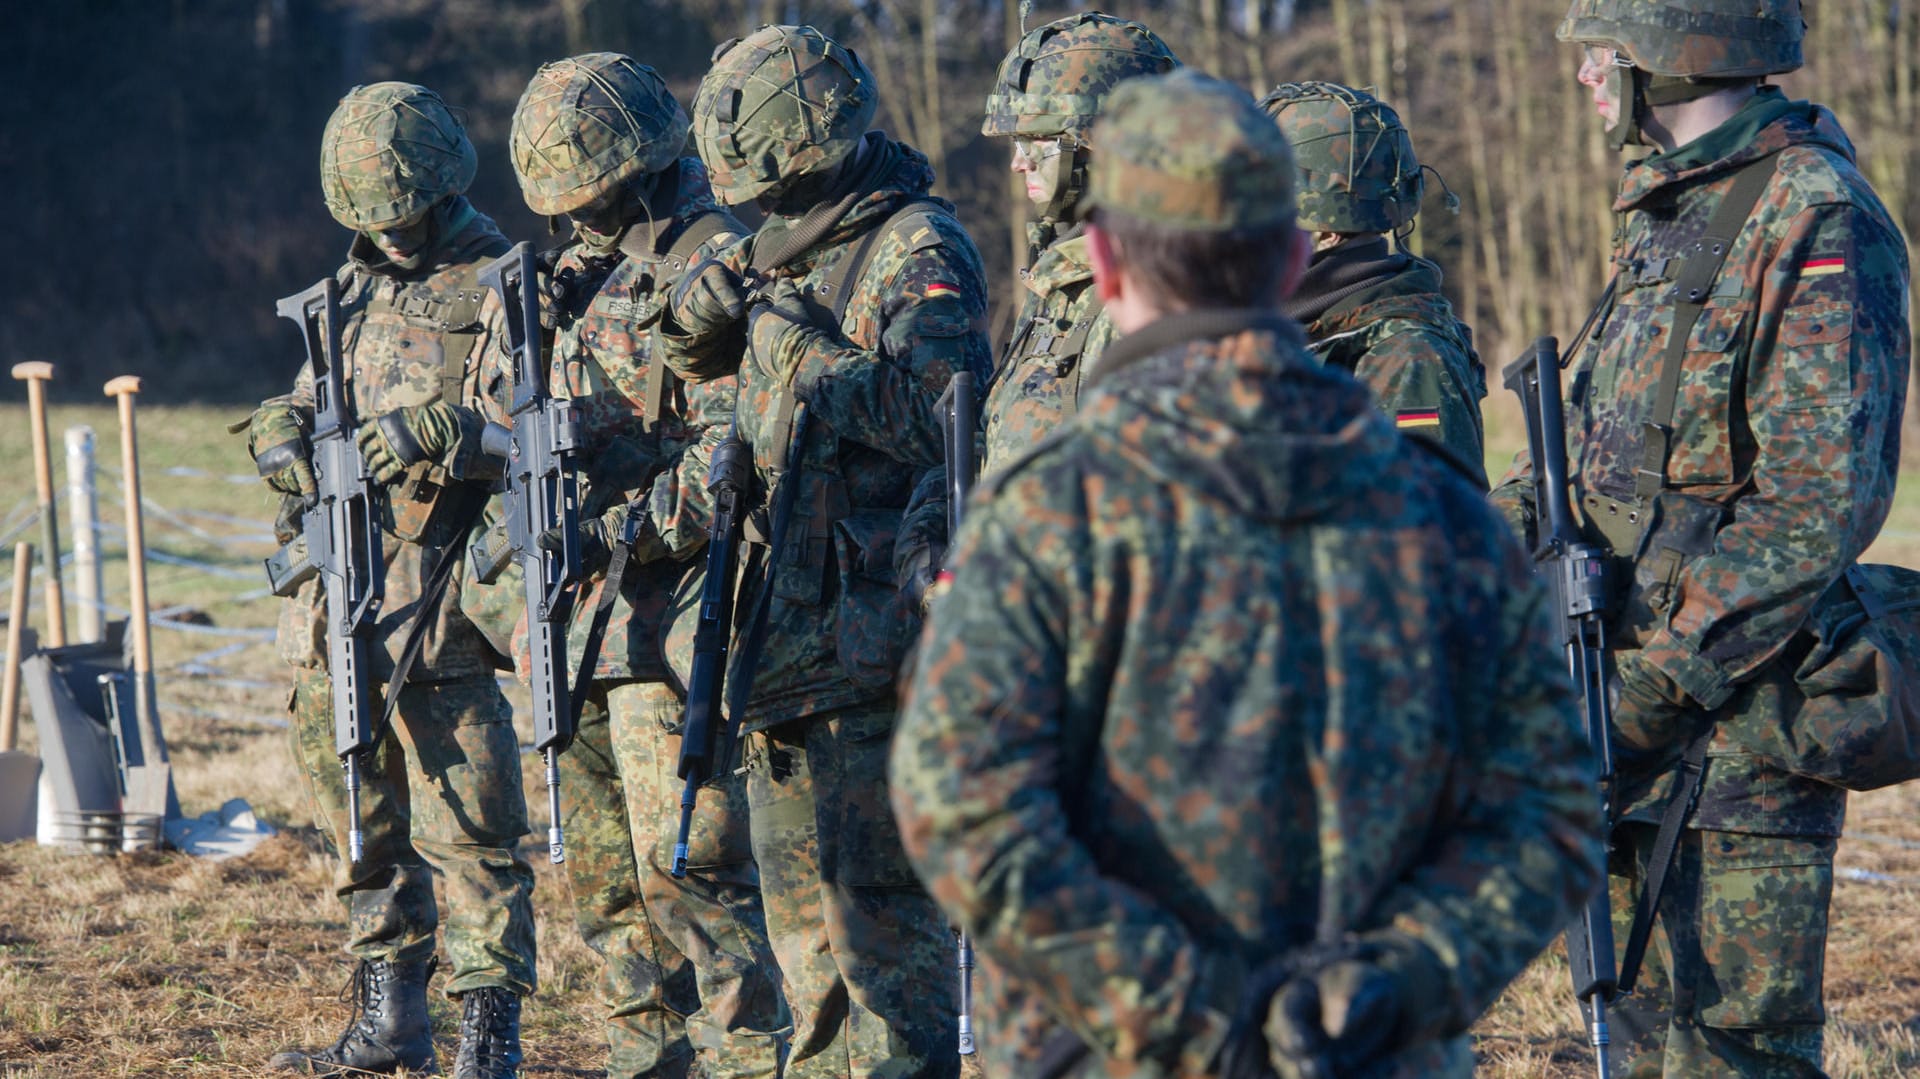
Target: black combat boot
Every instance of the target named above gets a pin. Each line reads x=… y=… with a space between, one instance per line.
x=489 y=1034
x=388 y=1030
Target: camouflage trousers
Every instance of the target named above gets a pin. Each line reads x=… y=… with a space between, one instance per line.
x=687 y=970
x=1732 y=980
x=440 y=796
x=867 y=958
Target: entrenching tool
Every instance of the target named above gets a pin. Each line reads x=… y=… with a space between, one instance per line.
x=19 y=772
x=36 y=375
x=149 y=778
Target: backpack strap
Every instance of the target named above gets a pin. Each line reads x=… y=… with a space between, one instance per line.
x=837 y=288
x=682 y=242
x=1693 y=280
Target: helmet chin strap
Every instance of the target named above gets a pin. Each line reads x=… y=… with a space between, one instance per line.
x=1628 y=88
x=1062 y=205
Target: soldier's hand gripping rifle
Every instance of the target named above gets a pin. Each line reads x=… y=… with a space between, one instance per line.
x=340 y=540
x=542 y=498
x=1575 y=572
x=956 y=408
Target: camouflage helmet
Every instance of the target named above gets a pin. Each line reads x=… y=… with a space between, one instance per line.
x=589 y=123
x=781 y=103
x=1188 y=151
x=389 y=152
x=1693 y=39
x=1357 y=170
x=1055 y=80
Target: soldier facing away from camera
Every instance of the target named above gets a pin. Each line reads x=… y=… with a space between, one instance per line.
x=1733 y=435
x=856 y=301
x=1370 y=306
x=689 y=979
x=1202 y=745
x=442 y=790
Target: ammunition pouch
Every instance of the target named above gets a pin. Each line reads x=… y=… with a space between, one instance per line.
x=1664 y=536
x=429 y=507
x=875 y=623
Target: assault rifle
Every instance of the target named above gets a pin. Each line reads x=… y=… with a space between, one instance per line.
x=956 y=408
x=340 y=540
x=703 y=746
x=1575 y=572
x=721 y=683
x=542 y=498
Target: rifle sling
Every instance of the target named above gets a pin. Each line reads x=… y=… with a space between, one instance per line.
x=1686 y=793
x=597 y=631
x=1699 y=267
x=410 y=649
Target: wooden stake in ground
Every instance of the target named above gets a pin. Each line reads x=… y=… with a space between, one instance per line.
x=19 y=772
x=36 y=375
x=150 y=780
x=16 y=622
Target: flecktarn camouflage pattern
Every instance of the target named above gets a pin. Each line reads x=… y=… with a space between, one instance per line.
x=1189 y=151
x=586 y=124
x=1358 y=172
x=781 y=103
x=1055 y=79
x=1780 y=470
x=389 y=152
x=1693 y=38
x=1229 y=564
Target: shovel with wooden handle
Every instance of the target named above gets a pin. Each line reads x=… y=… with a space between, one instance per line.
x=149 y=779
x=36 y=375
x=19 y=772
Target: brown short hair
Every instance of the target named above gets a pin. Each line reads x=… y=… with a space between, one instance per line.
x=1237 y=267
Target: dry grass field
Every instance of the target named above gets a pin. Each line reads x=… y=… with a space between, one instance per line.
x=161 y=964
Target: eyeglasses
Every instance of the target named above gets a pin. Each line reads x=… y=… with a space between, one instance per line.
x=1035 y=152
x=1605 y=56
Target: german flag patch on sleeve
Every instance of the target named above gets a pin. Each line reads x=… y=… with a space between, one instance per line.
x=1417 y=417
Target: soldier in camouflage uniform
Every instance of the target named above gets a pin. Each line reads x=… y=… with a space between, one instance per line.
x=1049 y=90
x=1369 y=305
x=1202 y=741
x=443 y=789
x=688 y=973
x=1733 y=435
x=856 y=301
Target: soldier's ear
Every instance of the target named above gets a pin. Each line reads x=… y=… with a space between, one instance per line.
x=1101 y=255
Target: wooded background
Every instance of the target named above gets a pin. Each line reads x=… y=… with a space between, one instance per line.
x=158 y=158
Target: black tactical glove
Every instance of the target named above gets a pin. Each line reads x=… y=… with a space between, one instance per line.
x=277 y=442
x=1337 y=1010
x=396 y=441
x=1651 y=713
x=780 y=332
x=599 y=536
x=708 y=299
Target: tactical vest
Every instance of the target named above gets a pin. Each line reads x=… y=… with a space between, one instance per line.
x=427 y=505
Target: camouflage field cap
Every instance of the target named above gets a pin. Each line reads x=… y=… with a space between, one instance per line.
x=1188 y=151
x=1054 y=81
x=389 y=152
x=589 y=123
x=781 y=103
x=1357 y=169
x=1693 y=38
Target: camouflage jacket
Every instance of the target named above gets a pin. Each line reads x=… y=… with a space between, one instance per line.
x=1211 y=684
x=394 y=326
x=1785 y=434
x=838 y=626
x=1398 y=335
x=1061 y=331
x=604 y=359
